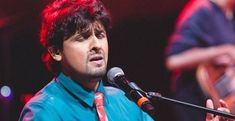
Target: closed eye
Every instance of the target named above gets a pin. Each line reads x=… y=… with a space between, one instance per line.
x=100 y=34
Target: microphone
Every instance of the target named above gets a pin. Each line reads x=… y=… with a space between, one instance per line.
x=117 y=77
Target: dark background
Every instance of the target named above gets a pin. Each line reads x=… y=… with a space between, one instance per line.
x=137 y=42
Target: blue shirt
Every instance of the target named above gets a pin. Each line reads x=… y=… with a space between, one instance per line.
x=64 y=100
x=201 y=24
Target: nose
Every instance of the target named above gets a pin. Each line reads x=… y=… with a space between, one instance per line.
x=96 y=43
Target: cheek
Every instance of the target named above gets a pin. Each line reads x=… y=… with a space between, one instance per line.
x=106 y=45
x=74 y=54
x=106 y=49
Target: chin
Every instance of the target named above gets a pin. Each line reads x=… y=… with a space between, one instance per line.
x=98 y=72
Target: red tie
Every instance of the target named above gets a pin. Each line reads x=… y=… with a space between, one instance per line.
x=99 y=102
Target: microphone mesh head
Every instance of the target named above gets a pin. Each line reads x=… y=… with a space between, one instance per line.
x=114 y=72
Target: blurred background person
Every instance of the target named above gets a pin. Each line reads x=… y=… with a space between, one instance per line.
x=204 y=35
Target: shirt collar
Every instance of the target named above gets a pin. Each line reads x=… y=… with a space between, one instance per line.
x=78 y=91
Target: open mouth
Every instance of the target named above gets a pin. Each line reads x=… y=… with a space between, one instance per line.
x=96 y=58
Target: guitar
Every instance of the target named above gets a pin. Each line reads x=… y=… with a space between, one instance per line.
x=217 y=82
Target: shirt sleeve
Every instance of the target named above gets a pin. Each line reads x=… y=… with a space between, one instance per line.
x=193 y=32
x=37 y=112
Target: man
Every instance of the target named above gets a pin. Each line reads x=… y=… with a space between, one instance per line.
x=204 y=33
x=74 y=34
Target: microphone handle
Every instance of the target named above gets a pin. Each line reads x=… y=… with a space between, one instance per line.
x=158 y=96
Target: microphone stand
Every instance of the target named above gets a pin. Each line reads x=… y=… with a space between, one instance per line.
x=157 y=97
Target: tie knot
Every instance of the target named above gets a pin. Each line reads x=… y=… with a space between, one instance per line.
x=99 y=99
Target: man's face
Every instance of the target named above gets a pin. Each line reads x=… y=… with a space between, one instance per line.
x=85 y=54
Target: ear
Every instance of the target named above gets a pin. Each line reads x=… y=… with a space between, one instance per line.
x=55 y=53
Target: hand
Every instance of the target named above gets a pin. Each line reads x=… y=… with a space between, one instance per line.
x=223 y=61
x=223 y=107
x=229 y=51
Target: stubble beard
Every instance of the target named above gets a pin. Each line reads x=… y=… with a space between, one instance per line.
x=97 y=73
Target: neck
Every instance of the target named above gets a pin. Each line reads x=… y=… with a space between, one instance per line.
x=226 y=6
x=91 y=85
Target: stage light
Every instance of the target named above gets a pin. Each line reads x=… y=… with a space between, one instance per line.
x=5 y=91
